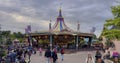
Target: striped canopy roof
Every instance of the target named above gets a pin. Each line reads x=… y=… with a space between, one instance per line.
x=60 y=25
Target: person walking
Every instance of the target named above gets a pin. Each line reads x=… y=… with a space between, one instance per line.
x=62 y=54
x=108 y=55
x=98 y=55
x=13 y=56
x=54 y=56
x=100 y=61
x=89 y=59
x=40 y=51
x=29 y=55
x=116 y=60
x=3 y=60
x=115 y=54
x=7 y=59
x=47 y=55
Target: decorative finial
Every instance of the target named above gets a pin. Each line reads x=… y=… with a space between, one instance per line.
x=78 y=26
x=60 y=13
x=50 y=24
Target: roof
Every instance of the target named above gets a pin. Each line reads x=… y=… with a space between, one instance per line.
x=60 y=24
x=60 y=28
x=62 y=33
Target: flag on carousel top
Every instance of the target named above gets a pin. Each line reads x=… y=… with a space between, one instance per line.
x=78 y=26
x=28 y=29
x=50 y=25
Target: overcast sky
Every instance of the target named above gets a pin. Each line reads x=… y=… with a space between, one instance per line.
x=15 y=15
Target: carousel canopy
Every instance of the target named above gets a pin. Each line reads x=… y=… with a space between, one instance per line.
x=60 y=25
x=60 y=28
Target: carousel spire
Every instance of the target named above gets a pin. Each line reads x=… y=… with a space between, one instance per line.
x=60 y=24
x=60 y=12
x=78 y=26
x=50 y=25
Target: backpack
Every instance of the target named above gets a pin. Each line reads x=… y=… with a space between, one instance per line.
x=62 y=51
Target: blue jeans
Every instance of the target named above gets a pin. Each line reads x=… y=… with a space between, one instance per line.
x=47 y=60
x=62 y=56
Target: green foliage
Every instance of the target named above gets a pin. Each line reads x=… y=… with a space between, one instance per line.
x=17 y=35
x=97 y=42
x=94 y=37
x=71 y=43
x=114 y=32
x=8 y=42
x=43 y=41
x=116 y=11
x=6 y=37
x=2 y=53
x=109 y=22
x=107 y=44
x=115 y=22
x=5 y=33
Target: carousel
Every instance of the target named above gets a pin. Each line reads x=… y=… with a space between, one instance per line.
x=60 y=35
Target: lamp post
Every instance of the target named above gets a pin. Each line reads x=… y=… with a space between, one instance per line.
x=29 y=39
x=50 y=41
x=76 y=39
x=77 y=43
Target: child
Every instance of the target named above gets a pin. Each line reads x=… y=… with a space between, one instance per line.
x=40 y=51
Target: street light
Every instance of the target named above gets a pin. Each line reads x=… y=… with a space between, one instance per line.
x=51 y=41
x=76 y=41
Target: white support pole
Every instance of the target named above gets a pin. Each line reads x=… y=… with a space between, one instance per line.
x=77 y=43
x=51 y=41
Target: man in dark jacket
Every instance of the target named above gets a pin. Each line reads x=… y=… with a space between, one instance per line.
x=54 y=56
x=48 y=55
x=98 y=55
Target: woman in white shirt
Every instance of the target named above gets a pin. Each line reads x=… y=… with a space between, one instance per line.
x=90 y=59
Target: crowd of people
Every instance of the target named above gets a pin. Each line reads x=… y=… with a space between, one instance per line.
x=99 y=56
x=18 y=54
x=51 y=55
x=22 y=54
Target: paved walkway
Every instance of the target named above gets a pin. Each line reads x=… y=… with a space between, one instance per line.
x=78 y=57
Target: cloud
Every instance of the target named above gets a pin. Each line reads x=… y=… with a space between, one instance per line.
x=20 y=13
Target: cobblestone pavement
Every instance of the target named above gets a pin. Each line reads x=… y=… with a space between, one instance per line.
x=78 y=57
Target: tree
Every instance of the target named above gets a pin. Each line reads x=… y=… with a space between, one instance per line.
x=9 y=41
x=17 y=35
x=4 y=35
x=112 y=26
